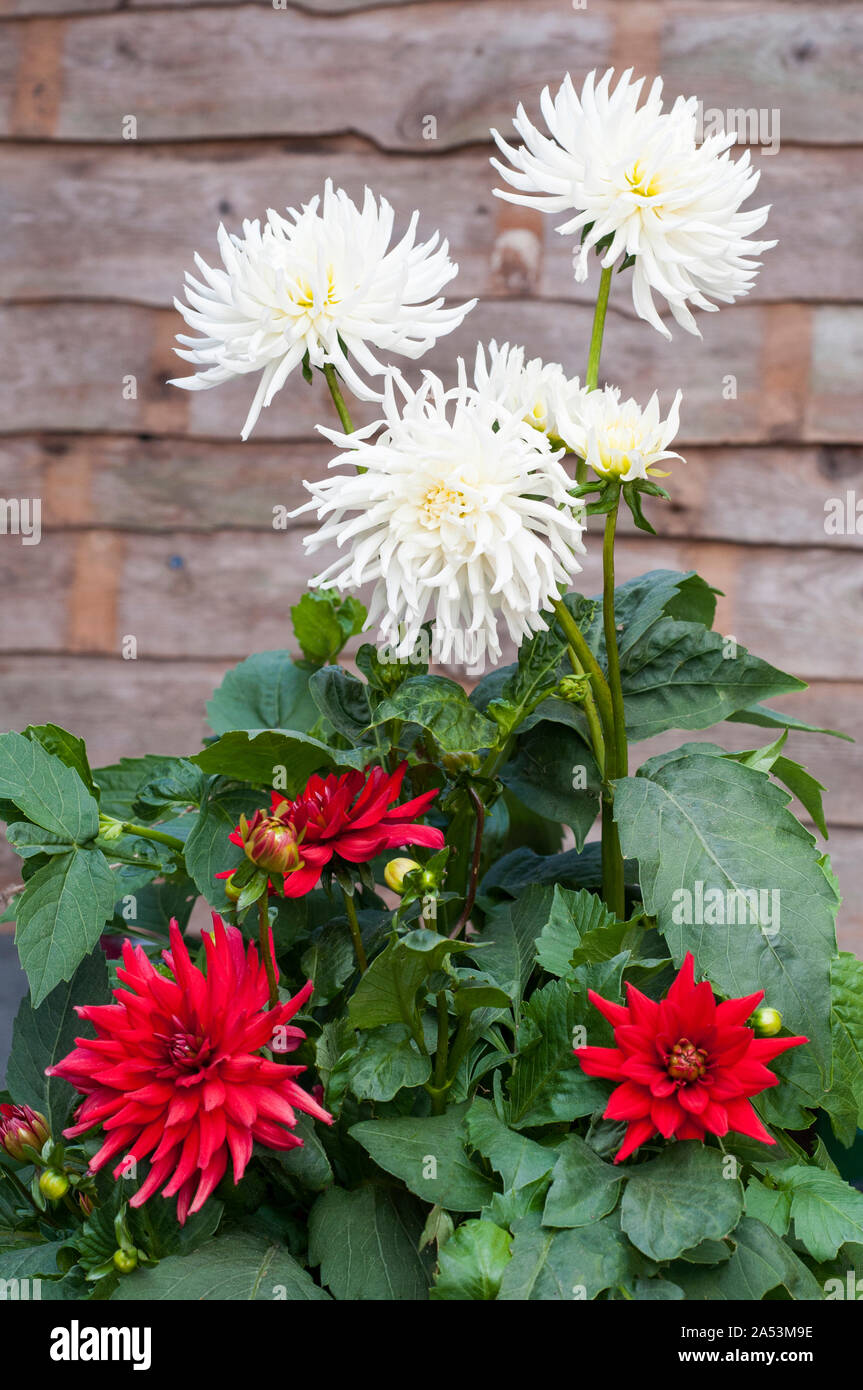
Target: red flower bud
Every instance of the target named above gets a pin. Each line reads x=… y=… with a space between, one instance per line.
x=19 y=1127
x=270 y=843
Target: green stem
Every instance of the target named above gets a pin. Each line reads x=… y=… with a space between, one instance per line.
x=612 y=859
x=266 y=952
x=589 y=664
x=356 y=934
x=338 y=398
x=145 y=832
x=591 y=715
x=470 y=896
x=592 y=378
x=438 y=1093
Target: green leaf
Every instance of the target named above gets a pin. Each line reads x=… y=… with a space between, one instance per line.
x=555 y=774
x=61 y=914
x=70 y=749
x=28 y=840
x=510 y=693
x=429 y=1156
x=120 y=783
x=387 y=992
x=678 y=1200
x=242 y=1268
x=765 y=718
x=472 y=1263
x=847 y=988
x=472 y=995
x=266 y=691
x=387 y=1060
x=308 y=1165
x=772 y=1205
x=46 y=789
x=583 y=1189
x=559 y=1266
x=43 y=1036
x=439 y=705
x=259 y=755
x=323 y=622
x=178 y=786
x=343 y=700
x=509 y=938
x=548 y=1085
x=699 y=819
x=208 y=849
x=761 y=1262
x=795 y=777
x=519 y=1160
x=366 y=1243
x=574 y=915
x=826 y=1211
x=38 y=1261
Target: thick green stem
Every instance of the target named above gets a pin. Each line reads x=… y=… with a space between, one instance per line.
x=266 y=949
x=356 y=934
x=338 y=398
x=473 y=880
x=146 y=832
x=599 y=685
x=591 y=715
x=592 y=378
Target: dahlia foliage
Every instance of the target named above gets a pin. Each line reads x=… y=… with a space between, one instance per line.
x=558 y=1018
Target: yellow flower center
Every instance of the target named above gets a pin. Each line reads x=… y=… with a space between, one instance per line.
x=616 y=444
x=305 y=297
x=636 y=180
x=442 y=503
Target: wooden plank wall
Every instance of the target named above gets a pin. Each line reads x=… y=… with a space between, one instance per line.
x=158 y=521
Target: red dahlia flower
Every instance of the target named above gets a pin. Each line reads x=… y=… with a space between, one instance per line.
x=686 y=1064
x=175 y=1072
x=351 y=816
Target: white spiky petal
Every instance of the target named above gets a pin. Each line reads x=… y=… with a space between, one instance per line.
x=619 y=439
x=535 y=390
x=461 y=516
x=637 y=175
x=323 y=281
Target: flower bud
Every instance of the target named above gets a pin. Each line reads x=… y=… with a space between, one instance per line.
x=53 y=1184
x=766 y=1022
x=19 y=1127
x=232 y=892
x=573 y=688
x=110 y=828
x=396 y=871
x=125 y=1261
x=270 y=843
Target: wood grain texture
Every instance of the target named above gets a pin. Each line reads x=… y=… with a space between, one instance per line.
x=803 y=60
x=68 y=364
x=148 y=483
x=224 y=595
x=138 y=213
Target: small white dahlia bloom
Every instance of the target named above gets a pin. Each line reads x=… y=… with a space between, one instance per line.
x=636 y=174
x=323 y=281
x=535 y=390
x=617 y=439
x=461 y=515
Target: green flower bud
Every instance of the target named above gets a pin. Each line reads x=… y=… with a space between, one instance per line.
x=125 y=1261
x=396 y=871
x=53 y=1185
x=766 y=1022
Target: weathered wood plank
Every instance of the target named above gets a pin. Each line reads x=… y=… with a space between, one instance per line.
x=225 y=595
x=132 y=483
x=140 y=212
x=467 y=66
x=71 y=363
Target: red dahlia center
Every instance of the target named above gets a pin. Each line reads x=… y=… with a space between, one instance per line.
x=686 y=1062
x=188 y=1051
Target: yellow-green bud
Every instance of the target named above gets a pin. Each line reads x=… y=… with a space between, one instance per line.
x=396 y=872
x=125 y=1261
x=53 y=1184
x=766 y=1022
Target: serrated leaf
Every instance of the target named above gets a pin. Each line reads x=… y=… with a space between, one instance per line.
x=548 y=1085
x=472 y=1263
x=46 y=789
x=242 y=1268
x=827 y=1212
x=678 y=1200
x=573 y=915
x=700 y=819
x=559 y=1266
x=429 y=1155
x=772 y=1205
x=366 y=1243
x=266 y=691
x=761 y=1263
x=519 y=1160
x=441 y=706
x=387 y=991
x=61 y=914
x=387 y=1060
x=255 y=755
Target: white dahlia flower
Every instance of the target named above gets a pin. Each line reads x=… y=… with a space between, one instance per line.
x=537 y=391
x=617 y=439
x=461 y=515
x=323 y=281
x=636 y=175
